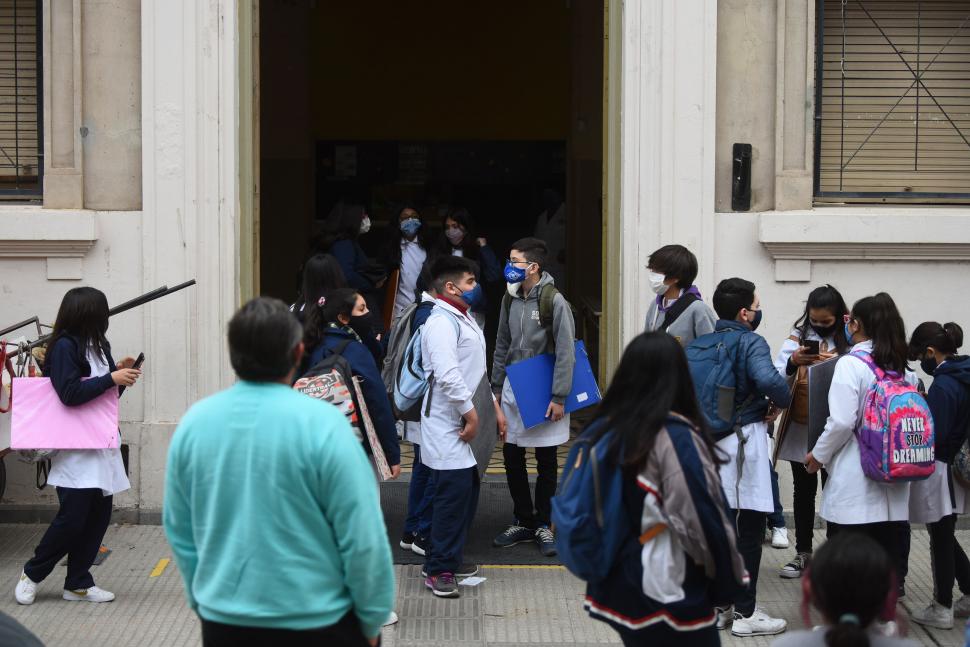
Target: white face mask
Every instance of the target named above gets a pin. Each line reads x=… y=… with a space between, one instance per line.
x=657 y=284
x=365 y=225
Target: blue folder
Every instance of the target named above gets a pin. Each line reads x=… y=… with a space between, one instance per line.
x=531 y=382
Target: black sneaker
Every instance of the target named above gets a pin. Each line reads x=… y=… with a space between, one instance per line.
x=546 y=541
x=465 y=570
x=407 y=540
x=795 y=567
x=513 y=535
x=443 y=585
x=419 y=546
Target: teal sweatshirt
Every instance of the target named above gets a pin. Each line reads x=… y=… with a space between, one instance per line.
x=273 y=515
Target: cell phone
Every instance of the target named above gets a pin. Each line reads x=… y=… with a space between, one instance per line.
x=811 y=345
x=139 y=361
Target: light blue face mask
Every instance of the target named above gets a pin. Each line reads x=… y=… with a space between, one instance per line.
x=410 y=227
x=848 y=333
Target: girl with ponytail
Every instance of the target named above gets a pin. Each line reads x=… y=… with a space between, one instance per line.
x=938 y=500
x=851 y=583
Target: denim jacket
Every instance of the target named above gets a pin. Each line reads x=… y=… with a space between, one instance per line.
x=755 y=374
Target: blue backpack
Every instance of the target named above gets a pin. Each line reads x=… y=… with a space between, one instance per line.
x=711 y=359
x=412 y=381
x=587 y=512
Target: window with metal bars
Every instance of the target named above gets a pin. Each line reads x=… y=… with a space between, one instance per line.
x=21 y=112
x=892 y=105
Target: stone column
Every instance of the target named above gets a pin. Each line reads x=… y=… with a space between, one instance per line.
x=794 y=114
x=63 y=166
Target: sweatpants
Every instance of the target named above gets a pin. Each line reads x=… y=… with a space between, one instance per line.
x=750 y=525
x=345 y=633
x=453 y=509
x=518 y=479
x=420 y=495
x=948 y=561
x=804 y=491
x=76 y=531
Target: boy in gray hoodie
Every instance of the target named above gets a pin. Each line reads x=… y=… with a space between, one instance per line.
x=535 y=319
x=677 y=308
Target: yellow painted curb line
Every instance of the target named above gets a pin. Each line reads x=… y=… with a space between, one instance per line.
x=160 y=567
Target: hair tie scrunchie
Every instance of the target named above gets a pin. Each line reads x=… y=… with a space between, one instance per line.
x=322 y=301
x=849 y=619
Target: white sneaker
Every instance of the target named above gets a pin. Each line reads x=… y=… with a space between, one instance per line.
x=935 y=615
x=26 y=590
x=93 y=594
x=779 y=538
x=961 y=608
x=889 y=629
x=758 y=624
x=725 y=616
x=391 y=620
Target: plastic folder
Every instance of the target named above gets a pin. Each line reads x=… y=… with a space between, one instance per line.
x=41 y=421
x=531 y=382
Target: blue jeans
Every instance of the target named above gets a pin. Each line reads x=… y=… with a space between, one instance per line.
x=452 y=511
x=777 y=518
x=420 y=494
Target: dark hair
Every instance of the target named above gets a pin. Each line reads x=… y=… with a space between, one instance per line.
x=946 y=338
x=321 y=273
x=676 y=261
x=262 y=337
x=651 y=381
x=336 y=302
x=852 y=585
x=534 y=250
x=469 y=244
x=343 y=223
x=84 y=315
x=449 y=268
x=882 y=324
x=825 y=297
x=731 y=296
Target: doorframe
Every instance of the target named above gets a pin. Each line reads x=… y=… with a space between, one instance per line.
x=249 y=150
x=611 y=328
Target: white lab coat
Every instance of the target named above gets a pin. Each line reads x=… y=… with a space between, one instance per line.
x=101 y=469
x=753 y=490
x=794 y=445
x=413 y=257
x=456 y=358
x=849 y=497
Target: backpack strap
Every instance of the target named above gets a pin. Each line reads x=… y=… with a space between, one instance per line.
x=866 y=358
x=678 y=309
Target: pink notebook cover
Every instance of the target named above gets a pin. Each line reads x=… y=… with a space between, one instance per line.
x=41 y=421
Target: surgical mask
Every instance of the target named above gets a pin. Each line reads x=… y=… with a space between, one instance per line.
x=514 y=274
x=365 y=225
x=657 y=285
x=454 y=235
x=823 y=332
x=473 y=297
x=848 y=333
x=929 y=365
x=410 y=227
x=757 y=320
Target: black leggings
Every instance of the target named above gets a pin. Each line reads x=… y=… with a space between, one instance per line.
x=803 y=502
x=893 y=536
x=948 y=561
x=346 y=633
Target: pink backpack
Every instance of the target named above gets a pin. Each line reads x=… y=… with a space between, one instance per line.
x=896 y=439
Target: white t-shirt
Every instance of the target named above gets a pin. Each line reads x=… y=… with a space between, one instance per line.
x=90 y=468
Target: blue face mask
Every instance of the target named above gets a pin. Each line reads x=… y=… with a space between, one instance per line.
x=474 y=296
x=514 y=274
x=410 y=227
x=848 y=333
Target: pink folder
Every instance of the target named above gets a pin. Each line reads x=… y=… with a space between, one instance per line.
x=41 y=421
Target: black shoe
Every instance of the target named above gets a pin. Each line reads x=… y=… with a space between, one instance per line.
x=465 y=570
x=407 y=540
x=419 y=546
x=514 y=534
x=546 y=540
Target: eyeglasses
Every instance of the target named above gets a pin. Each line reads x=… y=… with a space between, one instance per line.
x=515 y=262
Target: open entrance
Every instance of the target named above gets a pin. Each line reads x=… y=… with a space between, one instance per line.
x=493 y=107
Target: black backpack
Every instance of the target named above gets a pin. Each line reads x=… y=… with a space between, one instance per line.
x=331 y=380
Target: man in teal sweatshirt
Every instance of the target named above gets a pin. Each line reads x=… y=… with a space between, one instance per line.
x=271 y=506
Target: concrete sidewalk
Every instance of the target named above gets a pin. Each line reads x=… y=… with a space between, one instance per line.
x=526 y=605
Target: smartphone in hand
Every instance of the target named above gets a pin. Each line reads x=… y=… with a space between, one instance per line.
x=139 y=361
x=812 y=346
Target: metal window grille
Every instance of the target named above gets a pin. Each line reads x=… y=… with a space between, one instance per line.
x=21 y=111
x=892 y=109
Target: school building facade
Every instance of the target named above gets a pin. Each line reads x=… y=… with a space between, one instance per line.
x=134 y=126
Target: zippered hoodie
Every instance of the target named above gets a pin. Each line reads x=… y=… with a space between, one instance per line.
x=521 y=336
x=949 y=400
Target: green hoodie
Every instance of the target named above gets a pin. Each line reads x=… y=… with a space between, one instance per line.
x=273 y=514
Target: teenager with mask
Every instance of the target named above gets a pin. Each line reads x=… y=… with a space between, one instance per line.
x=677 y=308
x=669 y=465
x=330 y=329
x=821 y=325
x=321 y=274
x=851 y=501
x=938 y=500
x=746 y=474
x=458 y=238
x=407 y=251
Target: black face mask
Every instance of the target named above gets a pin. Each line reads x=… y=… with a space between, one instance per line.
x=928 y=364
x=362 y=325
x=825 y=332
